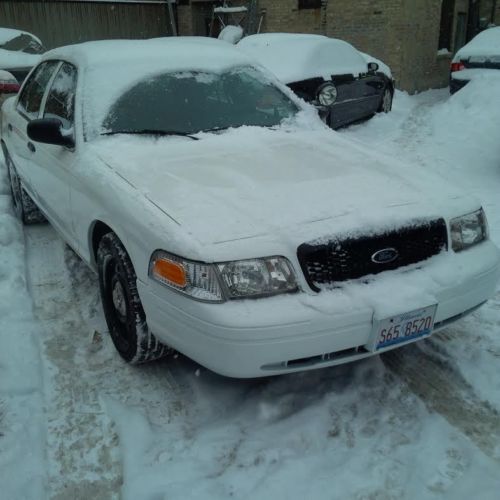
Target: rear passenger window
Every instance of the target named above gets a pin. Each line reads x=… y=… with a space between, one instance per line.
x=61 y=99
x=31 y=96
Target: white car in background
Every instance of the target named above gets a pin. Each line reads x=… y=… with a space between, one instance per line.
x=226 y=221
x=19 y=52
x=480 y=58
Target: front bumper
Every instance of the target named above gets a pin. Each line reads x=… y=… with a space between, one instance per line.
x=289 y=333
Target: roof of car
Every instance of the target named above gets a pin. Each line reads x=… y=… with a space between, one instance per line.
x=296 y=57
x=176 y=53
x=486 y=43
x=8 y=34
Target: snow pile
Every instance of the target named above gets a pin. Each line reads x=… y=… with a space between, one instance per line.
x=231 y=34
x=466 y=127
x=22 y=438
x=353 y=431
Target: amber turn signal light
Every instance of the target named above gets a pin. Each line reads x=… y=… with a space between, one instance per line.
x=170 y=272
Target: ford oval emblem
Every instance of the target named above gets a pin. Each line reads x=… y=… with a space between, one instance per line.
x=385 y=256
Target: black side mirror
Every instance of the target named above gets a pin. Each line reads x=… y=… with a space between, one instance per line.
x=372 y=67
x=50 y=131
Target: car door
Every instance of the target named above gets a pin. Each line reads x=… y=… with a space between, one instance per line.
x=52 y=165
x=28 y=108
x=357 y=98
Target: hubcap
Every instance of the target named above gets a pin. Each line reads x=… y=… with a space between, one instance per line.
x=119 y=301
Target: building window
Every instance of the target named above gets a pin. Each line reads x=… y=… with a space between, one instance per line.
x=309 y=4
x=446 y=27
x=460 y=31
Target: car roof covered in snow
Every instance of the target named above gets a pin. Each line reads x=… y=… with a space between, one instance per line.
x=8 y=34
x=486 y=43
x=171 y=53
x=297 y=57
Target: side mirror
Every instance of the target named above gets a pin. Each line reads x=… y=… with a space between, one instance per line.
x=50 y=131
x=8 y=83
x=372 y=67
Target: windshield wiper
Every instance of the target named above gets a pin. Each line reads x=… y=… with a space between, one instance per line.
x=152 y=132
x=218 y=129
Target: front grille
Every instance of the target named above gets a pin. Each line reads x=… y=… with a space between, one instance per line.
x=352 y=258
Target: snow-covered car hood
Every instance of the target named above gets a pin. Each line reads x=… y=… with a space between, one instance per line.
x=252 y=182
x=10 y=59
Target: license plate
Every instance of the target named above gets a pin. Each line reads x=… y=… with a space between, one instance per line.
x=405 y=327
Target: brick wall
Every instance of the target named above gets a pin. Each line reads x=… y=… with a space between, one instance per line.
x=402 y=33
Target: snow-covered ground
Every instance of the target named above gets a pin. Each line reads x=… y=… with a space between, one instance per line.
x=421 y=422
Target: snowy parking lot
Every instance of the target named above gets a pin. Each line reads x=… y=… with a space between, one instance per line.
x=421 y=422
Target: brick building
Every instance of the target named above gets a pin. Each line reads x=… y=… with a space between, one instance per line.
x=417 y=38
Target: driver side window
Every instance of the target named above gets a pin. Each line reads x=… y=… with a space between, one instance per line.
x=32 y=94
x=61 y=99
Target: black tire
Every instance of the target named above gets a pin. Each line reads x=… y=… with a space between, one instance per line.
x=386 y=102
x=24 y=207
x=122 y=306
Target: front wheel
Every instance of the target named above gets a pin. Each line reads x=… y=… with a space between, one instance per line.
x=122 y=306
x=386 y=103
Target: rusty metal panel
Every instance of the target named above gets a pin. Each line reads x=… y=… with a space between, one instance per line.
x=66 y=22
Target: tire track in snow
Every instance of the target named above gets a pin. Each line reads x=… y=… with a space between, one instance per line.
x=431 y=375
x=82 y=447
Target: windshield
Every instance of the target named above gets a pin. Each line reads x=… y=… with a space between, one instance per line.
x=191 y=102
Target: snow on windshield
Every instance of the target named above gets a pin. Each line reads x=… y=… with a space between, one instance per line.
x=294 y=58
x=190 y=102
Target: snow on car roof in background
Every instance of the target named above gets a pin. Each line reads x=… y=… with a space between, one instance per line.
x=7 y=34
x=296 y=57
x=486 y=43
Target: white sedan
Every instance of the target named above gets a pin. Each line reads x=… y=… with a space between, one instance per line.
x=226 y=221
x=479 y=59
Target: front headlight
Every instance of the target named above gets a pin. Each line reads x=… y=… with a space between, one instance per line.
x=327 y=94
x=257 y=277
x=468 y=230
x=228 y=280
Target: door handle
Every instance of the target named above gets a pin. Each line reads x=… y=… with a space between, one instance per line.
x=10 y=127
x=31 y=147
